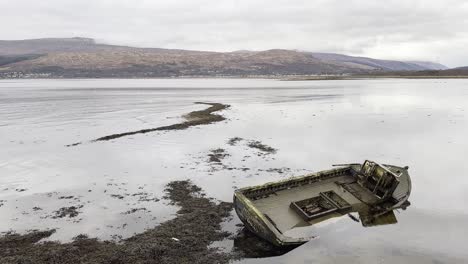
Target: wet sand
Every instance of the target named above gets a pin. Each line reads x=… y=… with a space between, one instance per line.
x=311 y=125
x=184 y=239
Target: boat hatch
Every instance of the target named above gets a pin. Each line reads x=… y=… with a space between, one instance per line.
x=324 y=204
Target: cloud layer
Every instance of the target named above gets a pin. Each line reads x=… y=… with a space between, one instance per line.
x=391 y=29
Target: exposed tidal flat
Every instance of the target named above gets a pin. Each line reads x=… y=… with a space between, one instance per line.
x=120 y=189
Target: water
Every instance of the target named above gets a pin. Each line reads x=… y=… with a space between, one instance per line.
x=313 y=124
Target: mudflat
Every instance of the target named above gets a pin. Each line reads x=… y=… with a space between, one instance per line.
x=184 y=239
x=113 y=190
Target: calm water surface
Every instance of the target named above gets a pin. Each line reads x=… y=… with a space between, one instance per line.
x=419 y=123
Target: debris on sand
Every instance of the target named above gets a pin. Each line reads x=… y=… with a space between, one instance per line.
x=117 y=196
x=134 y=210
x=278 y=170
x=71 y=211
x=233 y=141
x=148 y=199
x=254 y=144
x=195 y=118
x=197 y=225
x=217 y=155
x=66 y=197
x=262 y=147
x=145 y=197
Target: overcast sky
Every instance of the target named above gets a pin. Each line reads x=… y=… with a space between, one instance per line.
x=391 y=29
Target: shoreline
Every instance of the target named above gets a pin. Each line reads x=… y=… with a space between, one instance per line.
x=265 y=77
x=368 y=77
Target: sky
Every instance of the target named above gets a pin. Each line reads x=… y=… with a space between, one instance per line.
x=391 y=29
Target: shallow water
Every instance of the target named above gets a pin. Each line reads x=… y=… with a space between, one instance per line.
x=314 y=124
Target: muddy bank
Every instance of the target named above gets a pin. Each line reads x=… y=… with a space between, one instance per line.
x=195 y=118
x=184 y=239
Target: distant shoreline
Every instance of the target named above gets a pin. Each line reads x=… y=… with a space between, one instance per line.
x=281 y=78
x=364 y=77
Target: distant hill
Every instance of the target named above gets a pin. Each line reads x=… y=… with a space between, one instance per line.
x=383 y=65
x=83 y=57
x=430 y=65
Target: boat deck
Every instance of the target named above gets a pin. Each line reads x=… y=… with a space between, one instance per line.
x=277 y=205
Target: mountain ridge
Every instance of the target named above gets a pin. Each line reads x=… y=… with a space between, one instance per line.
x=84 y=57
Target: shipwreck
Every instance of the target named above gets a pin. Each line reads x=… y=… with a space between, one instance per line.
x=372 y=190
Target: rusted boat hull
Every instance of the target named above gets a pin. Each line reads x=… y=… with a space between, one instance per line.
x=372 y=190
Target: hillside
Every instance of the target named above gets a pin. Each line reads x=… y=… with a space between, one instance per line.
x=83 y=57
x=384 y=65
